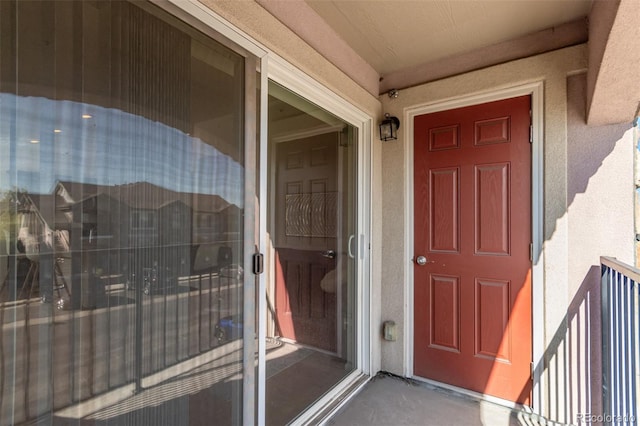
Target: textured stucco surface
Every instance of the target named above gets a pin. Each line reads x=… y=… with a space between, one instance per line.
x=613 y=90
x=599 y=188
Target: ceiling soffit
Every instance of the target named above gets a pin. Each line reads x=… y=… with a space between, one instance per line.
x=396 y=35
x=564 y=35
x=406 y=43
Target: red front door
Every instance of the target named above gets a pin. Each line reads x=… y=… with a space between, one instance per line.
x=472 y=297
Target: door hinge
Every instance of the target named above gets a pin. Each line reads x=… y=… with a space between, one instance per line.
x=533 y=368
x=530 y=252
x=531 y=133
x=258 y=263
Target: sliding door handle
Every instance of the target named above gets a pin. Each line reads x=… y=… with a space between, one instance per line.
x=349 y=246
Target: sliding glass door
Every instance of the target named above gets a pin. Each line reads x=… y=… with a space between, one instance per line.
x=124 y=222
x=312 y=320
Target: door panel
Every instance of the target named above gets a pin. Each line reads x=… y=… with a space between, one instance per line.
x=444 y=218
x=306 y=313
x=473 y=224
x=306 y=239
x=445 y=312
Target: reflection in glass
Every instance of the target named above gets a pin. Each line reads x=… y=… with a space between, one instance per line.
x=121 y=204
x=311 y=324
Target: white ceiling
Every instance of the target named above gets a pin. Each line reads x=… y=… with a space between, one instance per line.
x=392 y=35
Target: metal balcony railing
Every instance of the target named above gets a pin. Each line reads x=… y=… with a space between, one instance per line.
x=620 y=342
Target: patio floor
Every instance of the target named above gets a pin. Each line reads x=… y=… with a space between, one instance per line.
x=391 y=400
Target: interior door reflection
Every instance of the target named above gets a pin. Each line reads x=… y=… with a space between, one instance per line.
x=313 y=281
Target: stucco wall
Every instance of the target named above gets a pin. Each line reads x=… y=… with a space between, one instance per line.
x=595 y=165
x=599 y=188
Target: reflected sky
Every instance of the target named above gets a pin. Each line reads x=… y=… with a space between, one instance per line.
x=44 y=141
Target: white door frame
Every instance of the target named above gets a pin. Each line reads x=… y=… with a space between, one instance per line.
x=536 y=90
x=293 y=79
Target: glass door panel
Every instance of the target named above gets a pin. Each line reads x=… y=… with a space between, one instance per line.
x=311 y=326
x=122 y=234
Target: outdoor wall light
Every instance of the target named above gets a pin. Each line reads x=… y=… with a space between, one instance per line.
x=389 y=128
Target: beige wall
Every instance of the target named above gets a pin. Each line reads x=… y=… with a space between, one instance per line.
x=587 y=192
x=599 y=188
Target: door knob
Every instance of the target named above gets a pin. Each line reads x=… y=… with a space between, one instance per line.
x=329 y=254
x=421 y=260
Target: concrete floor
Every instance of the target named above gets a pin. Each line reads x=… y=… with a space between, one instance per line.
x=209 y=386
x=394 y=401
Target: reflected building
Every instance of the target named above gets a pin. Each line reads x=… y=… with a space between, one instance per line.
x=115 y=233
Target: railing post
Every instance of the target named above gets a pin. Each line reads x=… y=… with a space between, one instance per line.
x=633 y=353
x=620 y=342
x=606 y=273
x=138 y=335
